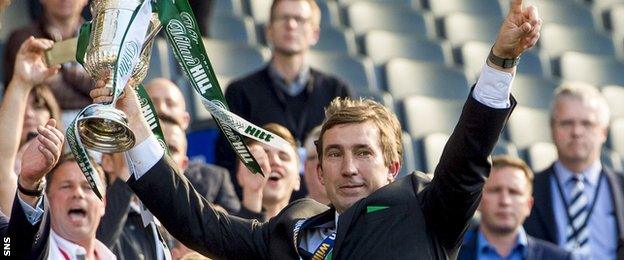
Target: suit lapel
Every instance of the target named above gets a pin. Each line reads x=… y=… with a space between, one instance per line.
x=544 y=204
x=345 y=220
x=617 y=196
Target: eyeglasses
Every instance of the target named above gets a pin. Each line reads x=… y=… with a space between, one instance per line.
x=286 y=18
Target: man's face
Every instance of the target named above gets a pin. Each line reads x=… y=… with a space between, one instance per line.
x=353 y=165
x=75 y=210
x=168 y=100
x=284 y=176
x=292 y=30
x=64 y=9
x=315 y=187
x=506 y=200
x=176 y=142
x=577 y=131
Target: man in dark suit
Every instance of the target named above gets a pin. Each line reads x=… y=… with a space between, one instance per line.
x=372 y=216
x=505 y=204
x=579 y=202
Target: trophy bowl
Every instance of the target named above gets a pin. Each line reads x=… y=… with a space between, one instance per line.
x=104 y=128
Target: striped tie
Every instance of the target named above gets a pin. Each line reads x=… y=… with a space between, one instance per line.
x=577 y=231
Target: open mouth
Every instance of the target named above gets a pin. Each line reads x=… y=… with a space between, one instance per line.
x=274 y=176
x=77 y=214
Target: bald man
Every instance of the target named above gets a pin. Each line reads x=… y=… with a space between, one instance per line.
x=168 y=100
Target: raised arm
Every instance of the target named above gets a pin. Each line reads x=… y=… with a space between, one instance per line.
x=454 y=194
x=171 y=198
x=29 y=71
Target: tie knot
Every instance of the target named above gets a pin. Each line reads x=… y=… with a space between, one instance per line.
x=578 y=178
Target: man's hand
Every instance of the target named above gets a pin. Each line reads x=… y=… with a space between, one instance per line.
x=519 y=32
x=30 y=69
x=128 y=103
x=253 y=184
x=41 y=155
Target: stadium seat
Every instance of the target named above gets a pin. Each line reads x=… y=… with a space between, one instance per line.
x=407 y=77
x=14 y=17
x=474 y=54
x=162 y=61
x=556 y=39
x=459 y=28
x=617 y=18
x=357 y=71
x=541 y=155
x=433 y=146
x=533 y=91
x=563 y=12
x=232 y=60
x=427 y=115
x=527 y=126
x=615 y=135
x=382 y=46
x=260 y=10
x=598 y=70
x=503 y=147
x=615 y=99
x=228 y=7
x=479 y=7
x=341 y=41
x=233 y=28
x=365 y=16
x=410 y=161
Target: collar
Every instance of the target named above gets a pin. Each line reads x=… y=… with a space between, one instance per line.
x=591 y=174
x=73 y=250
x=521 y=244
x=293 y=88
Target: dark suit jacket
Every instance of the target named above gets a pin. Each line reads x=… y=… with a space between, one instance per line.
x=536 y=249
x=541 y=223
x=28 y=241
x=421 y=221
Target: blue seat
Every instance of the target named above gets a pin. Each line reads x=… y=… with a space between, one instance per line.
x=556 y=39
x=598 y=70
x=407 y=77
x=364 y=16
x=233 y=28
x=229 y=7
x=460 y=28
x=382 y=46
x=443 y=7
x=233 y=60
x=336 y=40
x=357 y=71
x=533 y=91
x=426 y=115
x=527 y=126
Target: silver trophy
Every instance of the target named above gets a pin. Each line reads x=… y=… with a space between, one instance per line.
x=104 y=128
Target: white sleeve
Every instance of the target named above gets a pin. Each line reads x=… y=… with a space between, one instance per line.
x=144 y=156
x=493 y=88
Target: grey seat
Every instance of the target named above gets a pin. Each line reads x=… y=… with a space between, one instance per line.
x=162 y=61
x=556 y=39
x=336 y=40
x=357 y=71
x=233 y=60
x=231 y=7
x=563 y=12
x=259 y=10
x=615 y=99
x=615 y=135
x=382 y=46
x=443 y=7
x=433 y=146
x=233 y=28
x=459 y=28
x=533 y=91
x=598 y=70
x=541 y=155
x=410 y=161
x=407 y=77
x=474 y=54
x=527 y=126
x=427 y=115
x=365 y=16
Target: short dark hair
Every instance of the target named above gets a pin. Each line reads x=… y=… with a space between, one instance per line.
x=502 y=161
x=69 y=157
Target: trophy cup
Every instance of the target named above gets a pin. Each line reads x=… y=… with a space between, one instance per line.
x=104 y=128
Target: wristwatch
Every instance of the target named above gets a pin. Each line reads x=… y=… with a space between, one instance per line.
x=503 y=62
x=33 y=193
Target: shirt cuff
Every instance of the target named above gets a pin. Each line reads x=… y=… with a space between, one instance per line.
x=32 y=214
x=144 y=156
x=493 y=88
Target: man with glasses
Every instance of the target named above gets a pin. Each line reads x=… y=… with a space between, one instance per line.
x=286 y=91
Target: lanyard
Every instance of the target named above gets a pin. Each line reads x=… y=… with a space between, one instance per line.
x=565 y=203
x=325 y=248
